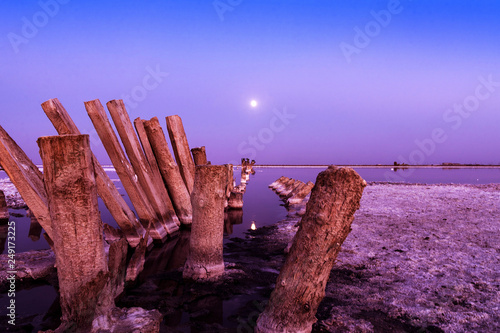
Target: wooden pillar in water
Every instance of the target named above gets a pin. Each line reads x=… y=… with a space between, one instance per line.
x=230 y=183
x=76 y=225
x=141 y=166
x=299 y=196
x=236 y=200
x=205 y=261
x=124 y=170
x=199 y=156
x=301 y=283
x=156 y=175
x=26 y=177
x=182 y=153
x=118 y=208
x=169 y=171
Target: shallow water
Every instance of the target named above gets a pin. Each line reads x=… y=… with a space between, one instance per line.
x=261 y=206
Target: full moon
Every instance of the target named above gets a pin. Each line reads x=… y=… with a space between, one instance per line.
x=253 y=103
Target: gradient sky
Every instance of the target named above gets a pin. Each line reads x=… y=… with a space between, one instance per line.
x=392 y=99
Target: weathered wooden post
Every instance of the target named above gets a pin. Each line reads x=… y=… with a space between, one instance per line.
x=301 y=283
x=205 y=261
x=235 y=200
x=156 y=175
x=124 y=170
x=284 y=185
x=4 y=211
x=290 y=188
x=182 y=153
x=141 y=166
x=170 y=171
x=230 y=184
x=199 y=156
x=300 y=194
x=26 y=177
x=76 y=225
x=121 y=212
x=278 y=182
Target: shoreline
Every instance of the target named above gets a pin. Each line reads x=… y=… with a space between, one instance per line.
x=354 y=166
x=399 y=167
x=419 y=256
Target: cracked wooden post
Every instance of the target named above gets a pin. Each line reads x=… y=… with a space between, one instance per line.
x=155 y=170
x=182 y=153
x=299 y=196
x=169 y=171
x=205 y=261
x=114 y=202
x=230 y=183
x=26 y=177
x=301 y=283
x=199 y=156
x=124 y=170
x=76 y=224
x=141 y=166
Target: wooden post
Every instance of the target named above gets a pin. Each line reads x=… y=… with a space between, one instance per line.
x=124 y=170
x=295 y=190
x=182 y=153
x=301 y=283
x=155 y=170
x=291 y=188
x=300 y=195
x=205 y=261
x=284 y=185
x=236 y=200
x=199 y=156
x=230 y=183
x=118 y=208
x=170 y=171
x=278 y=182
x=76 y=224
x=4 y=211
x=26 y=177
x=141 y=166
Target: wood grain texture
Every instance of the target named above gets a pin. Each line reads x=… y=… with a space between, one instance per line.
x=327 y=222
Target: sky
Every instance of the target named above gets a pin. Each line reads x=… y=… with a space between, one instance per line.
x=336 y=82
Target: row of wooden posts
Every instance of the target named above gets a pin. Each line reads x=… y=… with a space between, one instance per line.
x=292 y=191
x=64 y=200
x=159 y=186
x=165 y=193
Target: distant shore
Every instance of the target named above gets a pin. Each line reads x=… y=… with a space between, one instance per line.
x=379 y=166
x=463 y=166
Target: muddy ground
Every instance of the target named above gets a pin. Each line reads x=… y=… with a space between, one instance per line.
x=419 y=258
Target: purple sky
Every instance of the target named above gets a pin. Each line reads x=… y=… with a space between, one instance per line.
x=336 y=82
